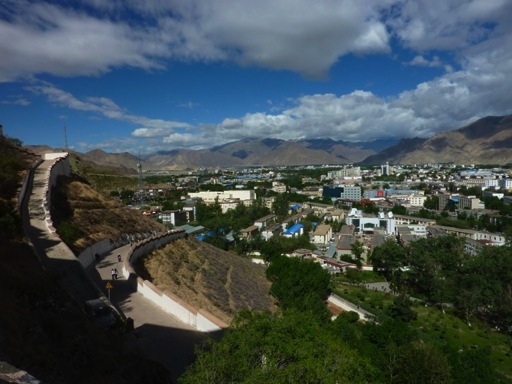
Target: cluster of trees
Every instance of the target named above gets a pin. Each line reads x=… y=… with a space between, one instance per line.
x=300 y=344
x=440 y=271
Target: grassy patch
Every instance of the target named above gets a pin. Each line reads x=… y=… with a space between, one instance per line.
x=356 y=276
x=442 y=328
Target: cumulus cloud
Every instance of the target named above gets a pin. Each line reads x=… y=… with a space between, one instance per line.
x=445 y=25
x=299 y=35
x=296 y=35
x=44 y=38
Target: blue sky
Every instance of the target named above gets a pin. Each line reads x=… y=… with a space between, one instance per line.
x=145 y=76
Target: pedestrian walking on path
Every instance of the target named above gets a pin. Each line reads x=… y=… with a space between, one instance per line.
x=119 y=258
x=113 y=273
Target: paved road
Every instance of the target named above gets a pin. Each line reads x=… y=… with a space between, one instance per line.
x=160 y=335
x=381 y=286
x=51 y=251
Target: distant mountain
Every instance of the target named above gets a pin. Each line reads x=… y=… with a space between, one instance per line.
x=402 y=148
x=485 y=141
x=265 y=152
x=124 y=162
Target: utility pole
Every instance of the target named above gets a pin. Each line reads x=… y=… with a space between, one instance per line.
x=141 y=180
x=65 y=136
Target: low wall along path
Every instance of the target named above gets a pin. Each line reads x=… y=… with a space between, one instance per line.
x=45 y=177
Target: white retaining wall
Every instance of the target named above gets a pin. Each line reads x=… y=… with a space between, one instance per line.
x=170 y=303
x=348 y=306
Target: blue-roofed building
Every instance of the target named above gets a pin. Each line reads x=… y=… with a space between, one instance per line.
x=294 y=230
x=295 y=207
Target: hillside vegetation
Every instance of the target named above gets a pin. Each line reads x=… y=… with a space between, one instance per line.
x=84 y=216
x=208 y=278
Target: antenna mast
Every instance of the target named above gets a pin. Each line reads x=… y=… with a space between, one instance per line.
x=139 y=170
x=65 y=136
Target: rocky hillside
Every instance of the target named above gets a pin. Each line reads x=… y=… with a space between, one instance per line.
x=208 y=278
x=391 y=154
x=486 y=141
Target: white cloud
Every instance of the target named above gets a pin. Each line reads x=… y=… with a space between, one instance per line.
x=16 y=101
x=298 y=35
x=107 y=108
x=43 y=38
x=421 y=61
x=447 y=25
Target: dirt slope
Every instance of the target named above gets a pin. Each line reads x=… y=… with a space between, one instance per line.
x=90 y=216
x=208 y=278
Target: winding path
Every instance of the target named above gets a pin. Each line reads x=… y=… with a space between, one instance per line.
x=161 y=336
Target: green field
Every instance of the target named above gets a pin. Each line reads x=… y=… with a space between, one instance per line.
x=439 y=326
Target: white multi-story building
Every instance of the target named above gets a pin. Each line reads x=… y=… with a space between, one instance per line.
x=351 y=193
x=488 y=183
x=489 y=237
x=278 y=187
x=417 y=200
x=210 y=197
x=470 y=202
x=506 y=183
x=345 y=173
x=363 y=223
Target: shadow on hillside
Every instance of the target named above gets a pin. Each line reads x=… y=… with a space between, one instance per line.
x=171 y=346
x=175 y=347
x=63 y=266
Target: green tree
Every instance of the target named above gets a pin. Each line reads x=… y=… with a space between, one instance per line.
x=357 y=249
x=420 y=362
x=399 y=210
x=289 y=347
x=280 y=206
x=401 y=309
x=388 y=259
x=431 y=202
x=472 y=366
x=298 y=284
x=434 y=264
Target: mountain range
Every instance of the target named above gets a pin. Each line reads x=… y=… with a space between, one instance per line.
x=485 y=141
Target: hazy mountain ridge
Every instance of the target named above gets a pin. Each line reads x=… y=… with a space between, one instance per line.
x=402 y=148
x=485 y=141
x=265 y=152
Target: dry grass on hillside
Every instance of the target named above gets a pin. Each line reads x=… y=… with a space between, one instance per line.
x=208 y=278
x=95 y=215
